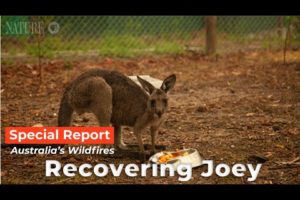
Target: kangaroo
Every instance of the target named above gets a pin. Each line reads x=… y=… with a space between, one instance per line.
x=115 y=99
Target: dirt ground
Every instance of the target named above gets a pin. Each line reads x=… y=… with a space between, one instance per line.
x=238 y=108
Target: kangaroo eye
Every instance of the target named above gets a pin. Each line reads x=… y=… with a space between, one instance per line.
x=152 y=103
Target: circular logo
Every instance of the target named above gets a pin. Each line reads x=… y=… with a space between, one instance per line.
x=53 y=27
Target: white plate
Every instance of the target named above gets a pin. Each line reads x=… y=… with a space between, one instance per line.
x=192 y=158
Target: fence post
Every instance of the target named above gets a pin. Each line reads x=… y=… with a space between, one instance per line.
x=211 y=34
x=280 y=26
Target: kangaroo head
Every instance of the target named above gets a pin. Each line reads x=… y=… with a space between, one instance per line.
x=158 y=100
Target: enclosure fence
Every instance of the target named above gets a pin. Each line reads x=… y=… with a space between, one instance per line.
x=86 y=37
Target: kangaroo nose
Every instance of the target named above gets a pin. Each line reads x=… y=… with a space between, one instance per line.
x=159 y=113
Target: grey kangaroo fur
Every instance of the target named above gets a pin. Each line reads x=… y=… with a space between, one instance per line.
x=115 y=99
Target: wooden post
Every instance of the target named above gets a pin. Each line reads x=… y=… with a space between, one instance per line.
x=211 y=34
x=280 y=26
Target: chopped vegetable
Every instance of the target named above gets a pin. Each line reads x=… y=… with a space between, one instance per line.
x=170 y=156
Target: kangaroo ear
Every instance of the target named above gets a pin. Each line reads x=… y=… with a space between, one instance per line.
x=168 y=83
x=146 y=85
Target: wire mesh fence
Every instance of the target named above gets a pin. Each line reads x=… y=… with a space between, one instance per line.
x=71 y=37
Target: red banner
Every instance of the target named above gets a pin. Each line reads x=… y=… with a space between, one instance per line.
x=59 y=135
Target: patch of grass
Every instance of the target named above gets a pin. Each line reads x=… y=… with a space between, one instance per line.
x=129 y=46
x=68 y=65
x=167 y=47
x=45 y=48
x=124 y=45
x=7 y=62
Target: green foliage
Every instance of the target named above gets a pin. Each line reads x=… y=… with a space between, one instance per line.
x=44 y=47
x=295 y=22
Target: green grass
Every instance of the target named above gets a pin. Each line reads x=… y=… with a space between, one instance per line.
x=168 y=48
x=126 y=45
x=129 y=46
x=68 y=65
x=108 y=45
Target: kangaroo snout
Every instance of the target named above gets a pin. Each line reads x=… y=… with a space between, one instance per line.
x=158 y=103
x=159 y=113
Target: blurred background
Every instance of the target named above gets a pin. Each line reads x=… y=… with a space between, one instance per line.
x=91 y=37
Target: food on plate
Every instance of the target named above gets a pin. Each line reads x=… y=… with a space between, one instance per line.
x=167 y=156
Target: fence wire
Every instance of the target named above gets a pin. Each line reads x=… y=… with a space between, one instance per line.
x=125 y=36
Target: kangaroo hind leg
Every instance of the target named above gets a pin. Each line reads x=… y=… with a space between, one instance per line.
x=101 y=101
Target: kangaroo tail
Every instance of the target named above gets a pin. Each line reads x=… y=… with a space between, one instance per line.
x=65 y=110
